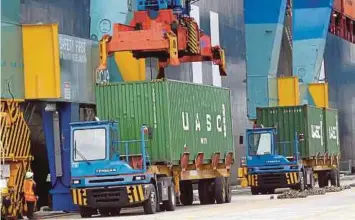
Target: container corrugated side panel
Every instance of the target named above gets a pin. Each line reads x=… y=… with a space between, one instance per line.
x=288 y=121
x=200 y=118
x=135 y=104
x=11 y=62
x=315 y=129
x=331 y=131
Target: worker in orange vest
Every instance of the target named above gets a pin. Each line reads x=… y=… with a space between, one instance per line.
x=29 y=189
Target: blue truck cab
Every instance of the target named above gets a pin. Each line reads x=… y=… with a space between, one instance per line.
x=265 y=170
x=105 y=177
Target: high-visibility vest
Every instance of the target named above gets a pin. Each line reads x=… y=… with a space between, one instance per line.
x=28 y=191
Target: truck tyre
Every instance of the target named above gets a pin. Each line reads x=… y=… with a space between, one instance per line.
x=115 y=211
x=186 y=189
x=150 y=205
x=228 y=190
x=254 y=190
x=309 y=173
x=104 y=211
x=322 y=179
x=301 y=184
x=171 y=203
x=220 y=190
x=271 y=191
x=85 y=212
x=334 y=177
x=205 y=195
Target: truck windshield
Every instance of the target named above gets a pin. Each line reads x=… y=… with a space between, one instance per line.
x=89 y=144
x=259 y=144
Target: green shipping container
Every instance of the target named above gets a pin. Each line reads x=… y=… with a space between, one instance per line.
x=307 y=120
x=184 y=117
x=12 y=78
x=331 y=131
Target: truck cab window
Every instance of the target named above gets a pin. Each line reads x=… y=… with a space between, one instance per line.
x=259 y=144
x=89 y=144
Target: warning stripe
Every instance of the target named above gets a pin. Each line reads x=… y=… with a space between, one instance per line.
x=15 y=138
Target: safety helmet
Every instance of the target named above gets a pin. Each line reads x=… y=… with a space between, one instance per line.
x=29 y=175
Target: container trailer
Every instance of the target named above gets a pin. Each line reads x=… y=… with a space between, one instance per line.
x=291 y=147
x=156 y=140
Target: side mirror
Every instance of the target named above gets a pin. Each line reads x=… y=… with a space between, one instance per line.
x=301 y=137
x=150 y=133
x=241 y=140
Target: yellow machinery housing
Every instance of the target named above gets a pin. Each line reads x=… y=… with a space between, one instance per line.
x=15 y=156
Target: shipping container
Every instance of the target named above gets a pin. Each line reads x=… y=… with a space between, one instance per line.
x=184 y=117
x=331 y=131
x=337 y=5
x=348 y=8
x=12 y=78
x=307 y=120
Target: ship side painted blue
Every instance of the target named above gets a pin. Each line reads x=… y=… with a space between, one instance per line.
x=310 y=26
x=339 y=64
x=73 y=17
x=264 y=22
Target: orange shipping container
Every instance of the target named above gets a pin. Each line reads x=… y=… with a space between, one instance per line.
x=349 y=8
x=337 y=5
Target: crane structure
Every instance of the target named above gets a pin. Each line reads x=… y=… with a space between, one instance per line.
x=164 y=30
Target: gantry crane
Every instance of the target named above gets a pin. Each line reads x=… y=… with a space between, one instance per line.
x=164 y=30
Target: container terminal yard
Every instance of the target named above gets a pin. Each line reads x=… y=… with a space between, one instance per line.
x=180 y=109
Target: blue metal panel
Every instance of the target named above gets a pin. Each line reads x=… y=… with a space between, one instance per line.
x=310 y=27
x=339 y=64
x=73 y=17
x=263 y=32
x=61 y=197
x=264 y=12
x=10 y=11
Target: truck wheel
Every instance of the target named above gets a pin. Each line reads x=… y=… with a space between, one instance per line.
x=301 y=184
x=322 y=179
x=171 y=203
x=104 y=211
x=186 y=196
x=311 y=185
x=150 y=205
x=228 y=190
x=334 y=177
x=220 y=190
x=271 y=191
x=115 y=211
x=204 y=193
x=85 y=212
x=254 y=190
